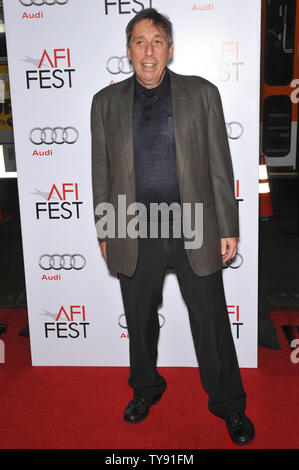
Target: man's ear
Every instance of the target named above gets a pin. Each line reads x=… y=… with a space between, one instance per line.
x=170 y=55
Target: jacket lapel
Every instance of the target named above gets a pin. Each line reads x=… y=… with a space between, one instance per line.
x=180 y=120
x=126 y=123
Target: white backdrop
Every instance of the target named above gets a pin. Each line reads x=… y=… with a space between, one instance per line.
x=59 y=56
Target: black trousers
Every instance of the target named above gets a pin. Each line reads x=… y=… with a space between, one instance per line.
x=209 y=321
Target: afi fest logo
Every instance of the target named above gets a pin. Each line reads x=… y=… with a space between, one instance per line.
x=235 y=310
x=69 y=322
x=61 y=203
x=54 y=70
x=126 y=7
x=238 y=192
x=221 y=61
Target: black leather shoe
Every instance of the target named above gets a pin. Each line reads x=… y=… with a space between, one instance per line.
x=138 y=409
x=240 y=429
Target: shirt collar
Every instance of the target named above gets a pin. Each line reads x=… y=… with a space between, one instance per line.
x=160 y=91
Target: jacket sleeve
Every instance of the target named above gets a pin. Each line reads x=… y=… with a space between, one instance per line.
x=221 y=170
x=99 y=160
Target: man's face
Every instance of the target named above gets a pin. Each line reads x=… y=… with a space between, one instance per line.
x=149 y=53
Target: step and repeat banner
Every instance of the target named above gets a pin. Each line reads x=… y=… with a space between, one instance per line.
x=60 y=53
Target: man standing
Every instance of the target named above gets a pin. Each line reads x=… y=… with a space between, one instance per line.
x=160 y=137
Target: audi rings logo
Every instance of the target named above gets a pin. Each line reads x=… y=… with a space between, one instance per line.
x=234 y=130
x=116 y=65
x=65 y=261
x=123 y=324
x=56 y=135
x=234 y=263
x=39 y=3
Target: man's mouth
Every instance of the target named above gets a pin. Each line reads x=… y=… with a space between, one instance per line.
x=148 y=65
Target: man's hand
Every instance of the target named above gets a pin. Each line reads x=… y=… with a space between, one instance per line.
x=103 y=250
x=228 y=248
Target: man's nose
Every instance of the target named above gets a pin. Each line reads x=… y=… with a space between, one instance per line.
x=149 y=49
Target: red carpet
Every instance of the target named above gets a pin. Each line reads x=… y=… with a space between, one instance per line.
x=81 y=408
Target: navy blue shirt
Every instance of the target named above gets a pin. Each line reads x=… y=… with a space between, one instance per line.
x=154 y=145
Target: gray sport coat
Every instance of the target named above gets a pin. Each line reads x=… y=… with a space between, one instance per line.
x=204 y=165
